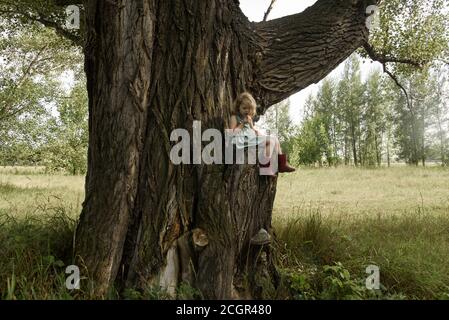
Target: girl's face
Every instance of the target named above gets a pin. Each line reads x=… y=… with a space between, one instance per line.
x=246 y=109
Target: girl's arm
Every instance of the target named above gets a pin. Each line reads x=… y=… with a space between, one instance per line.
x=234 y=125
x=251 y=124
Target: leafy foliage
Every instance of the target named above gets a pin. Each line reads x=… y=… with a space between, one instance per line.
x=66 y=148
x=412 y=30
x=367 y=123
x=49 y=13
x=43 y=121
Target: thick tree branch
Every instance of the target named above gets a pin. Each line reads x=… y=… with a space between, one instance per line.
x=301 y=49
x=51 y=19
x=400 y=86
x=267 y=13
x=75 y=38
x=383 y=59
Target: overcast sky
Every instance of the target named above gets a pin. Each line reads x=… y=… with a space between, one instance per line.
x=255 y=10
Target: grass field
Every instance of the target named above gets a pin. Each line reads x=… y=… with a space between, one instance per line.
x=394 y=218
x=331 y=224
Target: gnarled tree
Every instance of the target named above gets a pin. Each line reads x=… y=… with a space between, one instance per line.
x=154 y=66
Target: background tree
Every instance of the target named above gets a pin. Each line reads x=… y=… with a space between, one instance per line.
x=33 y=60
x=441 y=112
x=385 y=124
x=350 y=101
x=412 y=119
x=311 y=146
x=277 y=120
x=66 y=146
x=375 y=120
x=326 y=111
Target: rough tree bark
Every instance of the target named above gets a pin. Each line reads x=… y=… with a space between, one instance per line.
x=154 y=66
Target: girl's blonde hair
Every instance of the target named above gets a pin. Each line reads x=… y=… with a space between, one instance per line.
x=248 y=99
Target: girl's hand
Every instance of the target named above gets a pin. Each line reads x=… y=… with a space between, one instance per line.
x=250 y=121
x=251 y=124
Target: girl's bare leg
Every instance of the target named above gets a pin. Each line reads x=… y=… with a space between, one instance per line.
x=275 y=143
x=269 y=144
x=278 y=146
x=267 y=148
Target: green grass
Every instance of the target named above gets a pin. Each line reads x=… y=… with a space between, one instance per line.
x=35 y=251
x=38 y=215
x=330 y=225
x=397 y=219
x=349 y=192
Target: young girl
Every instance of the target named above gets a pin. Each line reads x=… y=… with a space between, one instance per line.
x=245 y=134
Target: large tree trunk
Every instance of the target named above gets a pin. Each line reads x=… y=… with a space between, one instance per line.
x=154 y=66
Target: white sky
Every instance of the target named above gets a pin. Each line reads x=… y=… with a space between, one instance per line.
x=255 y=9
